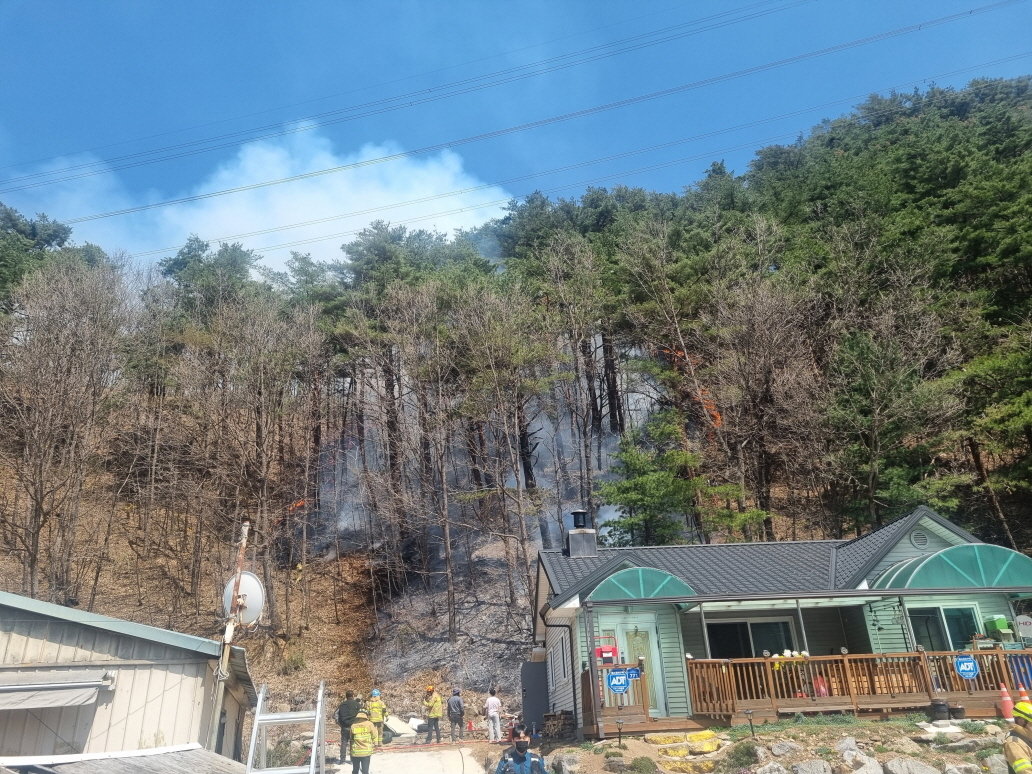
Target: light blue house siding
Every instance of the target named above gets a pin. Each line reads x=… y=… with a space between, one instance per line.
x=924 y=540
x=671 y=650
x=889 y=632
x=824 y=628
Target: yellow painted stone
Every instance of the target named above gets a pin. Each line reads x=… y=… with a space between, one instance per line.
x=676 y=751
x=664 y=738
x=704 y=746
x=701 y=736
x=704 y=766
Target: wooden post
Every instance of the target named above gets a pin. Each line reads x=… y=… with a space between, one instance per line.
x=643 y=682
x=929 y=684
x=769 y=675
x=847 y=672
x=1001 y=660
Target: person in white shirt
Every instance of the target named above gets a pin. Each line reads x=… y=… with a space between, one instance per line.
x=493 y=711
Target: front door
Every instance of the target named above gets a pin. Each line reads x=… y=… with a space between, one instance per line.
x=637 y=636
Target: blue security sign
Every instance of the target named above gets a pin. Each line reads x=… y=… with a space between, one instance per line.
x=633 y=673
x=966 y=666
x=617 y=680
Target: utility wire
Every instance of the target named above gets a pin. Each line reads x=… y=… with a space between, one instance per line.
x=590 y=162
x=265 y=111
x=387 y=104
x=555 y=119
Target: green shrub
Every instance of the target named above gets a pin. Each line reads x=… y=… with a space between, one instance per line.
x=740 y=756
x=985 y=752
x=292 y=663
x=880 y=748
x=643 y=765
x=613 y=754
x=941 y=738
x=971 y=726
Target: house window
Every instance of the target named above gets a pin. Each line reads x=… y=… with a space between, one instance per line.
x=944 y=628
x=748 y=639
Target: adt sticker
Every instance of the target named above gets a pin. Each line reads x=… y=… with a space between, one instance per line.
x=633 y=673
x=617 y=680
x=966 y=667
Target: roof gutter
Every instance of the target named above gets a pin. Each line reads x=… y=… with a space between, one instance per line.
x=838 y=593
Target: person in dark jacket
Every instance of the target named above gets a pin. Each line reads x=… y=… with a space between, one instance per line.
x=519 y=759
x=346 y=713
x=456 y=713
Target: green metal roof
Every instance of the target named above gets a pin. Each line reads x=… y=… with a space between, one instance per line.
x=975 y=565
x=640 y=583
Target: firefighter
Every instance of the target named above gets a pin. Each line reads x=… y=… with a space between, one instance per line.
x=346 y=713
x=1018 y=747
x=377 y=714
x=434 y=708
x=363 y=743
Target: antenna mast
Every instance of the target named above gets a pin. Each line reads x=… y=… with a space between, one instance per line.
x=227 y=638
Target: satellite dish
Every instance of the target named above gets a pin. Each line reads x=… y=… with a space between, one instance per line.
x=252 y=598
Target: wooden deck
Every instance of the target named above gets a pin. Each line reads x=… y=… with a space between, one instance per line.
x=885 y=683
x=734 y=691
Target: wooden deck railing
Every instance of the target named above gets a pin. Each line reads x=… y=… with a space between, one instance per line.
x=721 y=688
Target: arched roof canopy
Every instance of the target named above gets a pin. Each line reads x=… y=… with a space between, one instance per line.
x=641 y=583
x=972 y=565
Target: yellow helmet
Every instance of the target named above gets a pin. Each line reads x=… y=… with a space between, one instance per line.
x=1023 y=709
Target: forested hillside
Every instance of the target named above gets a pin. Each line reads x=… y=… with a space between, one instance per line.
x=807 y=349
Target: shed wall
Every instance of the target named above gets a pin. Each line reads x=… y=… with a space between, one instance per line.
x=157 y=697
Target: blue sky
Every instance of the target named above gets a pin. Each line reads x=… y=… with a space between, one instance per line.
x=117 y=105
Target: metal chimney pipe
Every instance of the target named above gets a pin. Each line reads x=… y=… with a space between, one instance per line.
x=580 y=518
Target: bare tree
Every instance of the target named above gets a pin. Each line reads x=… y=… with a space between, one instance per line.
x=61 y=360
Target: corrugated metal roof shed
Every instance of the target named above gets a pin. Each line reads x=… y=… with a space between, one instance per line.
x=195 y=760
x=189 y=642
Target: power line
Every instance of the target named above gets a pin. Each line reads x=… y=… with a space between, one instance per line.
x=384 y=105
x=402 y=79
x=576 y=184
x=556 y=119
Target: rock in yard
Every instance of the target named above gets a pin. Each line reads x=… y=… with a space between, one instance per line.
x=701 y=766
x=908 y=766
x=964 y=745
x=676 y=750
x=963 y=768
x=616 y=764
x=854 y=758
x=992 y=729
x=996 y=764
x=762 y=753
x=859 y=763
x=702 y=746
x=904 y=745
x=815 y=766
x=772 y=768
x=664 y=738
x=847 y=743
x=784 y=748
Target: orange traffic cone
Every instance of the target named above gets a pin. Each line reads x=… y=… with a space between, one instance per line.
x=1022 y=693
x=1006 y=704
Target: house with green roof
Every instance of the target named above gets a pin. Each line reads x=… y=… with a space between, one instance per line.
x=718 y=632
x=74 y=683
